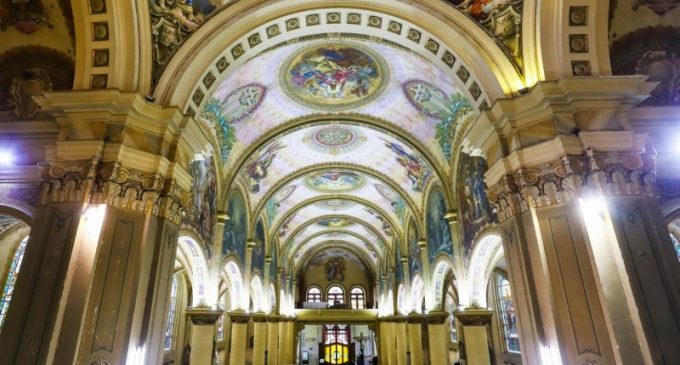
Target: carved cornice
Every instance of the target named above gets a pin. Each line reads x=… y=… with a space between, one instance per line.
x=436 y=317
x=474 y=317
x=239 y=317
x=114 y=185
x=415 y=318
x=204 y=316
x=573 y=176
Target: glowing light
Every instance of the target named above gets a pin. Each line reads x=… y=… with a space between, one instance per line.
x=136 y=356
x=6 y=157
x=592 y=205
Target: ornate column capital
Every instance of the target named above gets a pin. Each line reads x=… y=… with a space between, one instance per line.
x=239 y=317
x=422 y=244
x=474 y=317
x=451 y=217
x=273 y=318
x=251 y=244
x=204 y=316
x=415 y=318
x=259 y=317
x=436 y=317
x=222 y=217
x=570 y=177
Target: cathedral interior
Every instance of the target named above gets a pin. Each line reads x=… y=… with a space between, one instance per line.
x=402 y=182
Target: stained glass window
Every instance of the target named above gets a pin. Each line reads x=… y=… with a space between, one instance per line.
x=336 y=295
x=314 y=295
x=507 y=315
x=11 y=280
x=676 y=245
x=356 y=298
x=170 y=325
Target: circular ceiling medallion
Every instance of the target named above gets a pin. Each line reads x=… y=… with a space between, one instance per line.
x=335 y=222
x=241 y=102
x=334 y=75
x=427 y=98
x=334 y=139
x=335 y=204
x=334 y=181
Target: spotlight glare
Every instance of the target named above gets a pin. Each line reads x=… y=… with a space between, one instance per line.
x=6 y=158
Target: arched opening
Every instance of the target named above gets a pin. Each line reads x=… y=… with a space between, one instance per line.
x=14 y=234
x=335 y=295
x=357 y=298
x=314 y=294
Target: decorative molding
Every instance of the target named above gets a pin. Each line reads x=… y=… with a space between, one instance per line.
x=204 y=316
x=436 y=317
x=474 y=317
x=112 y=184
x=573 y=176
x=242 y=317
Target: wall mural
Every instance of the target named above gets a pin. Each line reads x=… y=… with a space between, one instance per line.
x=335 y=269
x=271 y=209
x=335 y=75
x=335 y=204
x=334 y=181
x=417 y=171
x=474 y=209
x=415 y=261
x=385 y=224
x=258 y=167
x=438 y=230
x=172 y=21
x=396 y=201
x=449 y=111
x=257 y=261
x=501 y=18
x=202 y=214
x=398 y=267
x=225 y=113
x=334 y=139
x=234 y=241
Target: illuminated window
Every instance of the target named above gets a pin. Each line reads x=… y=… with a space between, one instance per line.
x=336 y=295
x=170 y=325
x=314 y=295
x=11 y=279
x=451 y=304
x=356 y=298
x=507 y=315
x=220 y=321
x=676 y=245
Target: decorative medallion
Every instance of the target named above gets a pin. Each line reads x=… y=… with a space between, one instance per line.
x=335 y=204
x=334 y=139
x=242 y=102
x=334 y=181
x=334 y=75
x=335 y=222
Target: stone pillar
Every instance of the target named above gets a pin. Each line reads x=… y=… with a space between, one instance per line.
x=382 y=341
x=415 y=340
x=239 y=337
x=283 y=342
x=402 y=345
x=439 y=338
x=272 y=340
x=476 y=335
x=587 y=260
x=260 y=340
x=203 y=334
x=291 y=348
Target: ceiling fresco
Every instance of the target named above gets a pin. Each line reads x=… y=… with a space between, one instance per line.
x=330 y=183
x=312 y=230
x=322 y=257
x=303 y=85
x=381 y=152
x=332 y=240
x=357 y=211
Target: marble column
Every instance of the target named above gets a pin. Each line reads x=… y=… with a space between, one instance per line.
x=476 y=335
x=415 y=340
x=203 y=334
x=272 y=340
x=402 y=349
x=239 y=337
x=260 y=340
x=438 y=333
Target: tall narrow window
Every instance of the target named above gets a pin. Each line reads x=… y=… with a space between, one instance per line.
x=356 y=298
x=507 y=315
x=11 y=279
x=314 y=295
x=170 y=325
x=336 y=295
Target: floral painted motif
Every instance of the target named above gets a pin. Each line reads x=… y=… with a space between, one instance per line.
x=257 y=169
x=433 y=102
x=334 y=75
x=418 y=172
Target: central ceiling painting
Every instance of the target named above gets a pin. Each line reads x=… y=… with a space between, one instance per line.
x=334 y=75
